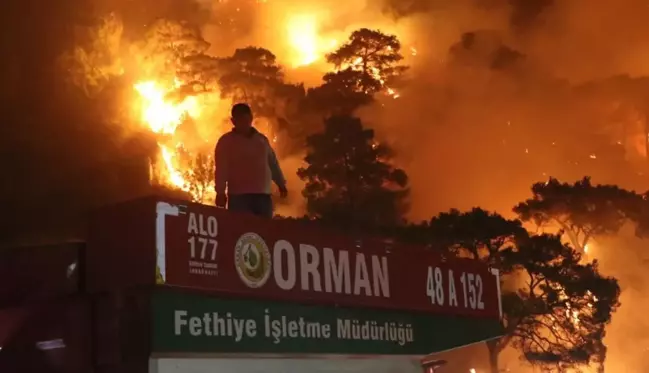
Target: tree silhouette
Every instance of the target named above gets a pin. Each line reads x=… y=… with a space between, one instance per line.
x=365 y=65
x=340 y=94
x=199 y=73
x=581 y=210
x=248 y=70
x=555 y=309
x=375 y=56
x=252 y=75
x=350 y=181
x=477 y=234
x=558 y=318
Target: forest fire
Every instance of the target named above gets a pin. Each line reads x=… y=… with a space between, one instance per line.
x=309 y=45
x=186 y=108
x=162 y=115
x=166 y=105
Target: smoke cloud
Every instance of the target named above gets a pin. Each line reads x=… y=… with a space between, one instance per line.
x=473 y=131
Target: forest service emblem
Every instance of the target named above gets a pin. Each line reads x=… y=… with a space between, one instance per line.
x=252 y=260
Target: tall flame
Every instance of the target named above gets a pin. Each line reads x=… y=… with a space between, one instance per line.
x=163 y=116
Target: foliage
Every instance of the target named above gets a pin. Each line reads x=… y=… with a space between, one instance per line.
x=559 y=317
x=349 y=178
x=199 y=73
x=545 y=287
x=252 y=75
x=477 y=234
x=582 y=210
x=374 y=55
x=341 y=94
x=364 y=66
x=249 y=70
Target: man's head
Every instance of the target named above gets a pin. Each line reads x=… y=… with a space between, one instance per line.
x=241 y=116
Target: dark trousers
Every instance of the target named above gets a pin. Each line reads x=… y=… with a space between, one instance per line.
x=257 y=204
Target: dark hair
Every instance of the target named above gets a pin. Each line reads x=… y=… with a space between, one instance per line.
x=240 y=109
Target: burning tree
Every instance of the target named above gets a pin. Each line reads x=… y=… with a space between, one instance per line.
x=555 y=309
x=349 y=178
x=366 y=64
x=373 y=56
x=169 y=73
x=580 y=210
x=583 y=211
x=558 y=318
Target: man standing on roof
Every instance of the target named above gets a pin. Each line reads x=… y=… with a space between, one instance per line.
x=246 y=164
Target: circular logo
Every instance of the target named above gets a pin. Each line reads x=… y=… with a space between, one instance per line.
x=252 y=259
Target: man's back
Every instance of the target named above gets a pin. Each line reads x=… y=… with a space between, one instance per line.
x=246 y=164
x=243 y=162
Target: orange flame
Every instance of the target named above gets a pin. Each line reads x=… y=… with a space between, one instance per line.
x=163 y=116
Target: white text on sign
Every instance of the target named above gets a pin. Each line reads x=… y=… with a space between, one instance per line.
x=442 y=289
x=202 y=244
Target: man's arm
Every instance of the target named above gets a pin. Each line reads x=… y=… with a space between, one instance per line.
x=275 y=170
x=221 y=167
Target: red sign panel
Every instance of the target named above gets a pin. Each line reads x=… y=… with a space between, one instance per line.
x=207 y=248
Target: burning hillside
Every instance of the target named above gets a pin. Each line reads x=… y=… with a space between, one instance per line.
x=494 y=101
x=182 y=92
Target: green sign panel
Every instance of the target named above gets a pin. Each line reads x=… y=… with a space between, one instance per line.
x=186 y=323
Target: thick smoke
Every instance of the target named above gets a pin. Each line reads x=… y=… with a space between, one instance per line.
x=505 y=86
x=497 y=84
x=581 y=40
